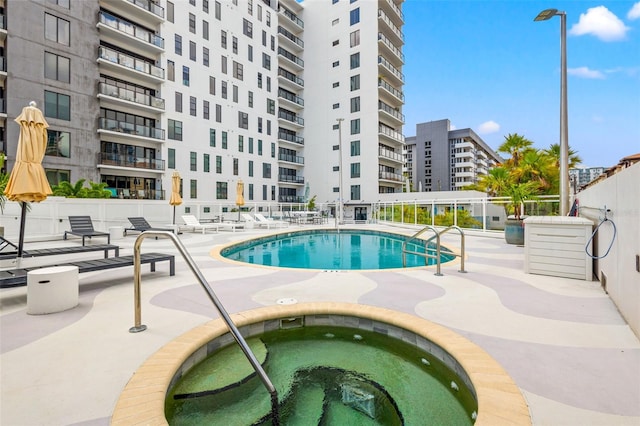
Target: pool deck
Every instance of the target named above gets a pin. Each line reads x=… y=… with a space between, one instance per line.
x=563 y=341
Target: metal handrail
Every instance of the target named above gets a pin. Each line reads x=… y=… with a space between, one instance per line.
x=426 y=254
x=138 y=327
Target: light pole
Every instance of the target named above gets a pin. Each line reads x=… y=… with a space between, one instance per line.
x=564 y=130
x=339 y=206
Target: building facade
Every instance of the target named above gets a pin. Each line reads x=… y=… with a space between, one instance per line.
x=441 y=159
x=581 y=176
x=220 y=91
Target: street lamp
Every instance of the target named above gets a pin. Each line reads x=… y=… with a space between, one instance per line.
x=339 y=206
x=564 y=132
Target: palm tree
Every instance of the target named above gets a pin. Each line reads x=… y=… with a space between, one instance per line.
x=554 y=152
x=515 y=145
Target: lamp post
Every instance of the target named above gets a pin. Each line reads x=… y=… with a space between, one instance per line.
x=339 y=206
x=564 y=132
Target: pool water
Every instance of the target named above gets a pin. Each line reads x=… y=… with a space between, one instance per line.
x=321 y=381
x=332 y=250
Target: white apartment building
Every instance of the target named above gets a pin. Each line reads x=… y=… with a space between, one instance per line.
x=581 y=176
x=220 y=91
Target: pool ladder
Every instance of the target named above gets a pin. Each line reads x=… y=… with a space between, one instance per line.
x=428 y=254
x=138 y=327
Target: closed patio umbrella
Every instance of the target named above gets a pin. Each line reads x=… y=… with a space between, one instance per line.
x=28 y=182
x=175 y=199
x=239 y=196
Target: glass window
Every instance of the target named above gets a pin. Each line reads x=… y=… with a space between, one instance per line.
x=355 y=170
x=57 y=67
x=58 y=144
x=217 y=10
x=224 y=140
x=240 y=143
x=221 y=190
x=193 y=109
x=170 y=12
x=235 y=167
x=266 y=170
x=354 y=16
x=238 y=70
x=192 y=23
x=355 y=148
x=354 y=37
x=223 y=39
x=174 y=130
x=234 y=44
x=205 y=110
x=192 y=50
x=57 y=29
x=205 y=30
x=243 y=120
x=218 y=164
x=212 y=137
x=193 y=161
x=355 y=192
x=171 y=158
x=355 y=60
x=193 y=189
x=185 y=75
x=178 y=105
x=57 y=105
x=206 y=163
x=205 y=56
x=247 y=28
x=212 y=85
x=178 y=44
x=171 y=71
x=355 y=82
x=355 y=126
x=355 y=104
x=250 y=172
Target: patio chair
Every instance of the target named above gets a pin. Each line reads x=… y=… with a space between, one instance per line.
x=192 y=222
x=82 y=226
x=249 y=219
x=269 y=222
x=140 y=224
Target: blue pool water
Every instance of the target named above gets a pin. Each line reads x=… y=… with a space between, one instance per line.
x=331 y=250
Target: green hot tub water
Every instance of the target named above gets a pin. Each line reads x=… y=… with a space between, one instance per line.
x=324 y=376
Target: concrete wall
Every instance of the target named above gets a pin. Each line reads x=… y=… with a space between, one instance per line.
x=617 y=270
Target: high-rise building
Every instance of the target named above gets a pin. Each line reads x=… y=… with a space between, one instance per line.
x=441 y=159
x=219 y=91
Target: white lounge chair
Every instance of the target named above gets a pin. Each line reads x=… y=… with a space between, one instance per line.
x=270 y=222
x=193 y=222
x=249 y=219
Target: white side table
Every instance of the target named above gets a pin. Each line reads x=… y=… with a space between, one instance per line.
x=51 y=290
x=116 y=232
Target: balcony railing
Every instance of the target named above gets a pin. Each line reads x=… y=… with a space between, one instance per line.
x=131 y=128
x=390 y=176
x=150 y=6
x=131 y=29
x=3 y=22
x=291 y=179
x=395 y=71
x=291 y=199
x=391 y=111
x=389 y=88
x=391 y=133
x=391 y=25
x=291 y=158
x=111 y=159
x=390 y=155
x=290 y=97
x=292 y=16
x=288 y=34
x=384 y=39
x=291 y=117
x=290 y=56
x=3 y=106
x=291 y=138
x=290 y=76
x=130 y=95
x=130 y=62
x=3 y=64
x=395 y=9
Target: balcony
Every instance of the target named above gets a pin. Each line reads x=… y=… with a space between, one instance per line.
x=393 y=12
x=394 y=54
x=389 y=92
x=290 y=100
x=291 y=118
x=293 y=60
x=3 y=27
x=291 y=17
x=390 y=134
x=116 y=94
x=3 y=68
x=391 y=113
x=3 y=108
x=135 y=68
x=298 y=180
x=127 y=130
x=288 y=137
x=291 y=158
x=291 y=199
x=289 y=79
x=290 y=40
x=120 y=32
x=130 y=161
x=391 y=176
x=393 y=74
x=146 y=12
x=392 y=31
x=390 y=155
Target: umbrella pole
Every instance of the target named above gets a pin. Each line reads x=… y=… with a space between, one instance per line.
x=23 y=217
x=174 y=214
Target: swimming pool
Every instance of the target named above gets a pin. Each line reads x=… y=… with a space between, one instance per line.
x=328 y=249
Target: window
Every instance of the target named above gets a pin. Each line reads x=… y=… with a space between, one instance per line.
x=268 y=84
x=205 y=6
x=259 y=124
x=335 y=64
x=57 y=29
x=218 y=113
x=235 y=167
x=355 y=82
x=192 y=50
x=178 y=106
x=205 y=56
x=61 y=3
x=221 y=190
x=234 y=44
x=212 y=85
x=205 y=110
x=250 y=145
x=193 y=109
x=243 y=120
x=192 y=23
x=268 y=127
x=355 y=170
x=259 y=146
x=264 y=192
x=193 y=161
x=217 y=10
x=250 y=171
x=223 y=89
x=354 y=37
x=259 y=80
x=174 y=130
x=185 y=75
x=178 y=44
x=355 y=60
x=223 y=64
x=224 y=140
x=268 y=19
x=250 y=7
x=57 y=67
x=266 y=171
x=218 y=164
x=250 y=53
x=354 y=16
x=247 y=28
x=55 y=176
x=206 y=163
x=193 y=189
x=335 y=22
x=170 y=12
x=57 y=105
x=335 y=42
x=336 y=84
x=250 y=99
x=235 y=93
x=238 y=70
x=355 y=126
x=355 y=104
x=171 y=158
x=171 y=71
x=264 y=38
x=58 y=144
x=266 y=61
x=205 y=30
x=336 y=106
x=355 y=148
x=240 y=143
x=212 y=137
x=355 y=192
x=273 y=150
x=223 y=39
x=271 y=106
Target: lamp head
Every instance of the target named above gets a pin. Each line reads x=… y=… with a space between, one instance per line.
x=546 y=15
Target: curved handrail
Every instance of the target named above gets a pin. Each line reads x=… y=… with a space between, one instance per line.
x=457 y=228
x=438 y=248
x=138 y=327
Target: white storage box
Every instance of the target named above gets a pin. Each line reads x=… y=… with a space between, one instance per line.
x=52 y=289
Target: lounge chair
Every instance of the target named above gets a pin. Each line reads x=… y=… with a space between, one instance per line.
x=9 y=250
x=247 y=218
x=140 y=224
x=82 y=226
x=270 y=222
x=192 y=222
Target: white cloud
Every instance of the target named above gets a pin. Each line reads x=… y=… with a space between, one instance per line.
x=600 y=22
x=452 y=127
x=634 y=12
x=488 y=127
x=585 y=72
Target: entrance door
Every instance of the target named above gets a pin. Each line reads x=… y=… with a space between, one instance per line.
x=360 y=213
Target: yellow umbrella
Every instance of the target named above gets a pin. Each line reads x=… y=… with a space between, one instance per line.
x=28 y=181
x=175 y=199
x=239 y=196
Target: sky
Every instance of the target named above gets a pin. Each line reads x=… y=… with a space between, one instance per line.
x=486 y=65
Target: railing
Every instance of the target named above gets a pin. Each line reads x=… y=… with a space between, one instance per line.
x=384 y=39
x=291 y=179
x=290 y=97
x=291 y=158
x=131 y=128
x=290 y=36
x=427 y=250
x=292 y=16
x=395 y=9
x=138 y=326
x=130 y=95
x=389 y=88
x=291 y=138
x=390 y=24
x=390 y=176
x=290 y=76
x=290 y=56
x=391 y=111
x=393 y=134
x=385 y=153
x=130 y=62
x=123 y=160
x=150 y=6
x=131 y=29
x=395 y=71
x=291 y=117
x=3 y=64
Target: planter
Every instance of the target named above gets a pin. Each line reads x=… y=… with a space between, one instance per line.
x=514 y=231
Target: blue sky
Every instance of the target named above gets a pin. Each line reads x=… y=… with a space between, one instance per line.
x=486 y=65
